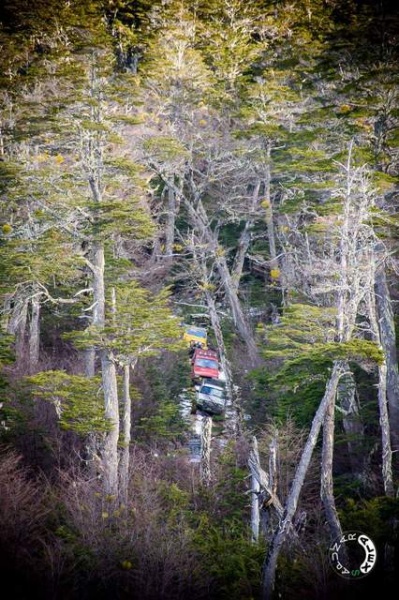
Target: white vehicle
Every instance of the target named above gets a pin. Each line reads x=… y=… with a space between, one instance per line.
x=211 y=396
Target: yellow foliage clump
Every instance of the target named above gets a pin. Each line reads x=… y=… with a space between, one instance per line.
x=207 y=287
x=275 y=273
x=265 y=203
x=6 y=228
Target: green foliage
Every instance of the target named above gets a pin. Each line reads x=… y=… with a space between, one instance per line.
x=6 y=354
x=300 y=352
x=162 y=419
x=302 y=326
x=165 y=424
x=375 y=517
x=76 y=399
x=139 y=324
x=305 y=333
x=230 y=558
x=164 y=149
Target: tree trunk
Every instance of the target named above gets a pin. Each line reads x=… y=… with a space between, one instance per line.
x=96 y=266
x=269 y=217
x=108 y=373
x=34 y=334
x=170 y=223
x=255 y=491
x=267 y=487
x=388 y=343
x=280 y=535
x=124 y=465
x=385 y=431
x=205 y=464
x=327 y=486
x=383 y=400
x=347 y=404
x=89 y=361
x=200 y=222
x=17 y=327
x=110 y=448
x=239 y=319
x=245 y=238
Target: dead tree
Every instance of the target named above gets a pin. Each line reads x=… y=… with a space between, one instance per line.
x=205 y=464
x=263 y=492
x=285 y=524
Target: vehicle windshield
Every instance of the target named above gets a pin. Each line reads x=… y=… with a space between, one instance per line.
x=206 y=389
x=197 y=332
x=206 y=363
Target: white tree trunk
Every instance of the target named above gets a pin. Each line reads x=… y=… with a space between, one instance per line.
x=245 y=238
x=205 y=464
x=17 y=327
x=124 y=465
x=96 y=266
x=385 y=423
x=327 y=486
x=110 y=449
x=170 y=223
x=255 y=519
x=269 y=217
x=34 y=334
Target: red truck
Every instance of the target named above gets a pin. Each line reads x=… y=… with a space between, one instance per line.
x=204 y=364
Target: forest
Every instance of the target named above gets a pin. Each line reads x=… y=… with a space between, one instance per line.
x=228 y=164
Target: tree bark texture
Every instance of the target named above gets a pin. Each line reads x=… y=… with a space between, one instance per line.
x=255 y=518
x=17 y=327
x=385 y=430
x=269 y=217
x=205 y=464
x=245 y=237
x=110 y=449
x=327 y=456
x=388 y=343
x=383 y=399
x=267 y=489
x=34 y=334
x=126 y=429
x=170 y=222
x=96 y=266
x=347 y=404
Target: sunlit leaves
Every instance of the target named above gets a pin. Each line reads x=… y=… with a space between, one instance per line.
x=76 y=399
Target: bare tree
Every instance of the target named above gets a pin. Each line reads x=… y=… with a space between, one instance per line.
x=282 y=531
x=348 y=256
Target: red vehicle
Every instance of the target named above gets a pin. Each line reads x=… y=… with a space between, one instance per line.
x=205 y=363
